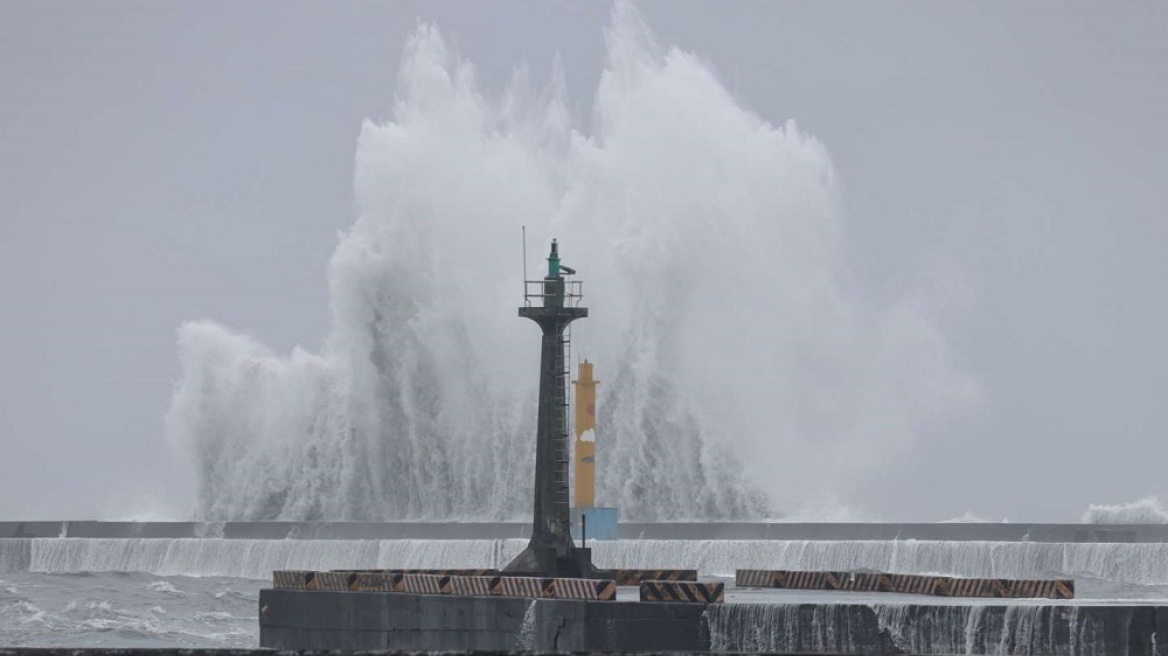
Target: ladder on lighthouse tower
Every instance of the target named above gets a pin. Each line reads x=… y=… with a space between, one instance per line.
x=572 y=294
x=563 y=375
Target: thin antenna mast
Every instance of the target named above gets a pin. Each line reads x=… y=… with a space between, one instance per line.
x=525 y=265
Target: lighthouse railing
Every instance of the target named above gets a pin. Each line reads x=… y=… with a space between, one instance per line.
x=537 y=289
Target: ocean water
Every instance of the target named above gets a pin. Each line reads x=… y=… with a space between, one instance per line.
x=127 y=609
x=203 y=592
x=135 y=609
x=668 y=200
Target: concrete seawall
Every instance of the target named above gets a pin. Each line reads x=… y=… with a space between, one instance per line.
x=1001 y=628
x=997 y=532
x=370 y=621
x=1125 y=564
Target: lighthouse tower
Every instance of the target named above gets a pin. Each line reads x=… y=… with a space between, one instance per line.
x=551 y=551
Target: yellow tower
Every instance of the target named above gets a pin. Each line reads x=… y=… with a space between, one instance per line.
x=585 y=437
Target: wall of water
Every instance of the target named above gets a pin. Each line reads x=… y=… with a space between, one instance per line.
x=725 y=319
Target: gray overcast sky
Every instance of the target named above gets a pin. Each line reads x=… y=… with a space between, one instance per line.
x=167 y=161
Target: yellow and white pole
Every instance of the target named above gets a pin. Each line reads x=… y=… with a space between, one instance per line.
x=585 y=388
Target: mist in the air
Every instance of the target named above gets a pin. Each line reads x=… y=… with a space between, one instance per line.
x=746 y=372
x=844 y=262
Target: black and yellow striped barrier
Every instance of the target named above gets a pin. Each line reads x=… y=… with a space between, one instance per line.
x=353 y=581
x=331 y=581
x=495 y=586
x=398 y=582
x=471 y=586
x=306 y=580
x=426 y=583
x=942 y=586
x=1011 y=588
x=630 y=577
x=592 y=589
x=428 y=572
x=380 y=582
x=552 y=588
x=289 y=579
x=847 y=581
x=683 y=591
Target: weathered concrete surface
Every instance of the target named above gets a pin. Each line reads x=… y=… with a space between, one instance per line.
x=996 y=532
x=936 y=629
x=166 y=651
x=372 y=621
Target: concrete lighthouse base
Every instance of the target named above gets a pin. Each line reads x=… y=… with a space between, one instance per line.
x=549 y=562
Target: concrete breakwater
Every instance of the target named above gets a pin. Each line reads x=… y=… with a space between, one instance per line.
x=935 y=629
x=362 y=621
x=1121 y=563
x=787 y=531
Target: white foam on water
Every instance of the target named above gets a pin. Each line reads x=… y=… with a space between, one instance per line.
x=213 y=617
x=70 y=610
x=1143 y=511
x=164 y=586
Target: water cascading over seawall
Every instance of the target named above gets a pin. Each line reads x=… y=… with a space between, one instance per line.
x=1131 y=564
x=925 y=629
x=675 y=200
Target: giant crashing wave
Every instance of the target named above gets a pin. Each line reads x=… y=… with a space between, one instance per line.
x=723 y=318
